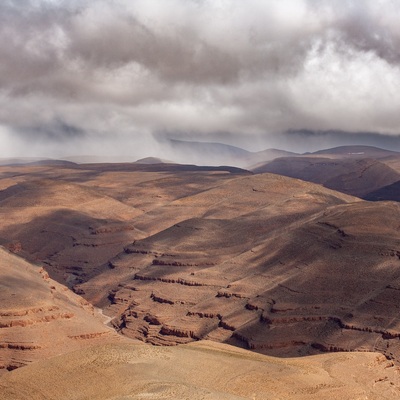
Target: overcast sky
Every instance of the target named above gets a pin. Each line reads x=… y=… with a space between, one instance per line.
x=113 y=77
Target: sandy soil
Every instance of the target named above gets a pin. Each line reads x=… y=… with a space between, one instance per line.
x=204 y=370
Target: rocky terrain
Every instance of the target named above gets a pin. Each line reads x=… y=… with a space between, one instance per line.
x=275 y=265
x=40 y=318
x=175 y=254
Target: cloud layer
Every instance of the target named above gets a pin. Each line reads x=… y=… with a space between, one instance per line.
x=112 y=76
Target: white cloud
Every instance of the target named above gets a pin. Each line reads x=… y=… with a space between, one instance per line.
x=84 y=70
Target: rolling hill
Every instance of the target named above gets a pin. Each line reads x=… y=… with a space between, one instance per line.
x=175 y=254
x=355 y=176
x=259 y=260
x=356 y=151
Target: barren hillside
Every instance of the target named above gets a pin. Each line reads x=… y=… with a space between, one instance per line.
x=40 y=318
x=176 y=254
x=355 y=176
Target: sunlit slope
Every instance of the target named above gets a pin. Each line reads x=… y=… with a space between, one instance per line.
x=74 y=220
x=41 y=318
x=68 y=226
x=203 y=370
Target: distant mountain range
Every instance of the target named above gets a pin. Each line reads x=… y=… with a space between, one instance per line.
x=212 y=154
x=206 y=153
x=365 y=171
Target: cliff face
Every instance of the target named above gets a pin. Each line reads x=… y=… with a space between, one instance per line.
x=40 y=318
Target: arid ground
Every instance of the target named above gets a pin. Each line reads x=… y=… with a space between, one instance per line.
x=256 y=276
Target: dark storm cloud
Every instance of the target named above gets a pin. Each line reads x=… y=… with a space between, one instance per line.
x=307 y=141
x=56 y=130
x=119 y=71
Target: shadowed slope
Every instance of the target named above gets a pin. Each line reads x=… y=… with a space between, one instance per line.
x=63 y=224
x=274 y=264
x=390 y=192
x=357 y=177
x=75 y=220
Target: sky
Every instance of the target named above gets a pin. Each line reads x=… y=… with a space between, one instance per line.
x=119 y=77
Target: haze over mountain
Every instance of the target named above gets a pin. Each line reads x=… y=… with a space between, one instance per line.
x=206 y=175
x=115 y=79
